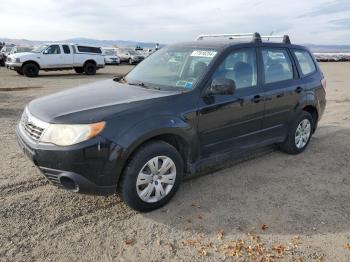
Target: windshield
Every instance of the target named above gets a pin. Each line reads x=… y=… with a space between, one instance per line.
x=39 y=49
x=172 y=68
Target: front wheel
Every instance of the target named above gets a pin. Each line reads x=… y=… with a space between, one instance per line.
x=30 y=70
x=152 y=176
x=299 y=134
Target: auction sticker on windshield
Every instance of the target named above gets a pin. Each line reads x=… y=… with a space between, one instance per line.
x=204 y=53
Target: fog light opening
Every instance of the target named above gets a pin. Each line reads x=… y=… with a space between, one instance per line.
x=69 y=184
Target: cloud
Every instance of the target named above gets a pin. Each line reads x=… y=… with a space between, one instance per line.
x=328 y=8
x=173 y=20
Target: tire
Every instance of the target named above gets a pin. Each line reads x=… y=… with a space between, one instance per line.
x=79 y=70
x=130 y=61
x=30 y=70
x=153 y=152
x=295 y=144
x=90 y=68
x=20 y=72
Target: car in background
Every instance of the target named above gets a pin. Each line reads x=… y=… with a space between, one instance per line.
x=129 y=55
x=4 y=52
x=21 y=49
x=110 y=56
x=55 y=56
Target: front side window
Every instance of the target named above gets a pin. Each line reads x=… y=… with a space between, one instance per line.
x=277 y=65
x=239 y=66
x=305 y=61
x=66 y=49
x=172 y=68
x=53 y=50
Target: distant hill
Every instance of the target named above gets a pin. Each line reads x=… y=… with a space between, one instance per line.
x=328 y=48
x=132 y=43
x=82 y=41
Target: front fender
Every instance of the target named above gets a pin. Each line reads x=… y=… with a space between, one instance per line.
x=152 y=127
x=131 y=138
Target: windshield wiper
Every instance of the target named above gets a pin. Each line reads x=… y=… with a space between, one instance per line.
x=142 y=84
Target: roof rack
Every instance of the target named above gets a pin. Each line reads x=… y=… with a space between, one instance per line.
x=256 y=37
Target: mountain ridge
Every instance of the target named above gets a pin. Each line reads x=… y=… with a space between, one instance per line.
x=133 y=43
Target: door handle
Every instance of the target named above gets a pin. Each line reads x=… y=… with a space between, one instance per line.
x=298 y=90
x=257 y=99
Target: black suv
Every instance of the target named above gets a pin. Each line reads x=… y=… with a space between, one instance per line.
x=186 y=106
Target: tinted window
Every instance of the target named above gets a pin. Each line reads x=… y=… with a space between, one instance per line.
x=239 y=66
x=66 y=49
x=89 y=49
x=53 y=49
x=305 y=61
x=277 y=65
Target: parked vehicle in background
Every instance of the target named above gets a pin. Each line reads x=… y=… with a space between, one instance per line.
x=53 y=57
x=110 y=56
x=6 y=49
x=143 y=133
x=21 y=49
x=3 y=58
x=129 y=55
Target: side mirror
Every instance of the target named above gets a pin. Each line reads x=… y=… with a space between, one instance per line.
x=221 y=86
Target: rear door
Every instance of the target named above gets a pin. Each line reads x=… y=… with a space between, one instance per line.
x=282 y=87
x=231 y=122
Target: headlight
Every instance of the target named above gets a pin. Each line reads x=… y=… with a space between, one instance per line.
x=65 y=135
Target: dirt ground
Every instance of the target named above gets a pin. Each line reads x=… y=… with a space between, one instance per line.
x=273 y=204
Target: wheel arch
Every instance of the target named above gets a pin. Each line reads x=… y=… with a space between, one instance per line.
x=90 y=61
x=30 y=62
x=312 y=110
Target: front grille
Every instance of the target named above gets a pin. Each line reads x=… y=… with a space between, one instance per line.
x=32 y=126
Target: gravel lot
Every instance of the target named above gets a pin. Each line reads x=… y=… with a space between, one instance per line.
x=272 y=204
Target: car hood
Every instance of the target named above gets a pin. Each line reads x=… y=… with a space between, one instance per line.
x=93 y=102
x=21 y=55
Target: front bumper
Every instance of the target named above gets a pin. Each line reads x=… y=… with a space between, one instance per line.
x=13 y=65
x=88 y=167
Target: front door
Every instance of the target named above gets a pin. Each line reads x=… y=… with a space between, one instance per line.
x=52 y=57
x=231 y=122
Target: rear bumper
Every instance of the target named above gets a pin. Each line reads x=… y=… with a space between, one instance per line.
x=86 y=167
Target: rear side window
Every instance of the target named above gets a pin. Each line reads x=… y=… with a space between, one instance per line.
x=277 y=65
x=66 y=49
x=305 y=62
x=89 y=49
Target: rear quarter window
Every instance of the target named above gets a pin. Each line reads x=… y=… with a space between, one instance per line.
x=305 y=61
x=89 y=49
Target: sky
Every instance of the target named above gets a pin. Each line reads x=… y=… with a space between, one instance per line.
x=168 y=21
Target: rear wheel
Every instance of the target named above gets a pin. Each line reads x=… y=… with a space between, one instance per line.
x=299 y=134
x=30 y=70
x=79 y=70
x=152 y=176
x=90 y=68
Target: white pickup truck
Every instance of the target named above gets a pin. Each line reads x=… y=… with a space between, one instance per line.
x=52 y=57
